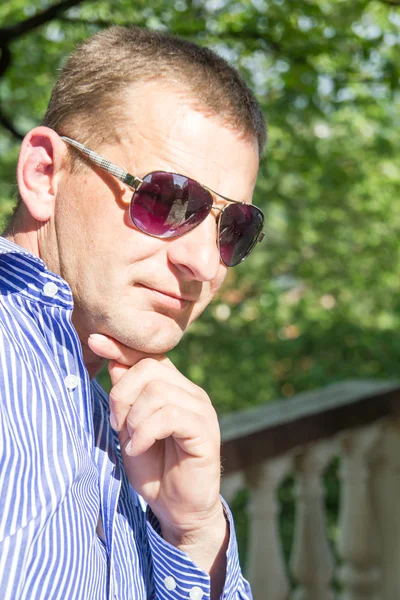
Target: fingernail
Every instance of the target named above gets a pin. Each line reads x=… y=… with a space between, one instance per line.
x=98 y=337
x=129 y=449
x=113 y=421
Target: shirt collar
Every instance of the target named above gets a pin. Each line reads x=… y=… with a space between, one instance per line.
x=24 y=273
x=9 y=247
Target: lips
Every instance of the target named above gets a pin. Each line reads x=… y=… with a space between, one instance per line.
x=172 y=298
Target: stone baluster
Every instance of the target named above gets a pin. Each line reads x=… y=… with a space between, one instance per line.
x=359 y=573
x=385 y=486
x=267 y=572
x=312 y=561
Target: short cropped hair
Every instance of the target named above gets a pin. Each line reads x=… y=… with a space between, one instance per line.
x=84 y=102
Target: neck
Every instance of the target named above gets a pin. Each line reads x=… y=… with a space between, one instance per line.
x=24 y=232
x=27 y=233
x=93 y=362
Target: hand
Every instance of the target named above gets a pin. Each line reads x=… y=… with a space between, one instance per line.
x=170 y=440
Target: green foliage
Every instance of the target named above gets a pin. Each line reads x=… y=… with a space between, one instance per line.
x=318 y=301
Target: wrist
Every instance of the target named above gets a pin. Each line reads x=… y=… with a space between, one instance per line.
x=205 y=543
x=209 y=530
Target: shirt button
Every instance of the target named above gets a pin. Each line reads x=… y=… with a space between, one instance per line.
x=196 y=593
x=170 y=583
x=50 y=289
x=71 y=381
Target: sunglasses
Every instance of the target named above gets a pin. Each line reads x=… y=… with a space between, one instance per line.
x=167 y=205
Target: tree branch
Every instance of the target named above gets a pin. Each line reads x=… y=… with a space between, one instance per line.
x=6 y=123
x=5 y=59
x=80 y=21
x=10 y=33
x=7 y=34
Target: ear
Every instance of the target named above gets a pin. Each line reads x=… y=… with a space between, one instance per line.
x=39 y=171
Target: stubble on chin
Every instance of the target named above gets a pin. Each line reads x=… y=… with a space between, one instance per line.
x=148 y=333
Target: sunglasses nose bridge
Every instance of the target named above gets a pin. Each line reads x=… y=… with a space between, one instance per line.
x=218 y=218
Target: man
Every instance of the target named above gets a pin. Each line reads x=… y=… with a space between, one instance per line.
x=134 y=201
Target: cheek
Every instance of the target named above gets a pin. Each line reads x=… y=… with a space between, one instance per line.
x=97 y=201
x=104 y=222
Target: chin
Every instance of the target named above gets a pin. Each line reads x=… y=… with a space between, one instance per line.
x=150 y=340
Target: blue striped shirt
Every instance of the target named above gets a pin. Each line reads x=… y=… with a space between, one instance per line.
x=61 y=468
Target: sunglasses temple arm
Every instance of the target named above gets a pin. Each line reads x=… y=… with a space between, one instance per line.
x=106 y=165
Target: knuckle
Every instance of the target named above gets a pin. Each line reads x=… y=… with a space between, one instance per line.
x=174 y=412
x=154 y=388
x=214 y=414
x=132 y=423
x=202 y=395
x=146 y=364
x=140 y=430
x=115 y=396
x=209 y=409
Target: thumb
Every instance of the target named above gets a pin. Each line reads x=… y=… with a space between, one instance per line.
x=107 y=347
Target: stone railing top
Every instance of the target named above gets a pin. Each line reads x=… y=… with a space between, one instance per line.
x=273 y=413
x=262 y=432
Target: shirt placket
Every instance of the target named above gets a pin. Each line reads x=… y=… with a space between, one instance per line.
x=110 y=487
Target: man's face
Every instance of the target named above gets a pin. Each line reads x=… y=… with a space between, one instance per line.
x=140 y=290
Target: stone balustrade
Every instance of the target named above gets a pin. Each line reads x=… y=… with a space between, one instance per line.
x=357 y=422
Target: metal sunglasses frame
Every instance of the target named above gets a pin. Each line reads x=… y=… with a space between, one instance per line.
x=134 y=184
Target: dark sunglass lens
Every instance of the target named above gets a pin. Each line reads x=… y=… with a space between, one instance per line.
x=168 y=205
x=239 y=229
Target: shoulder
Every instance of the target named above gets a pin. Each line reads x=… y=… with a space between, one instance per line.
x=21 y=341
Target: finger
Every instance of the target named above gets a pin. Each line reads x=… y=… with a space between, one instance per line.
x=188 y=430
x=133 y=382
x=107 y=347
x=158 y=394
x=116 y=371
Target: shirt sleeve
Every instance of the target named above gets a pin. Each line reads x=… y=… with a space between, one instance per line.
x=176 y=576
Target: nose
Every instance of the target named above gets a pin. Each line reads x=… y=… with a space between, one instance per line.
x=196 y=254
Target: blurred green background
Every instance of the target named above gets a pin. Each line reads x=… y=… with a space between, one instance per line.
x=318 y=301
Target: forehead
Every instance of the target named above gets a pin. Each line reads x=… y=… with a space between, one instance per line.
x=165 y=130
